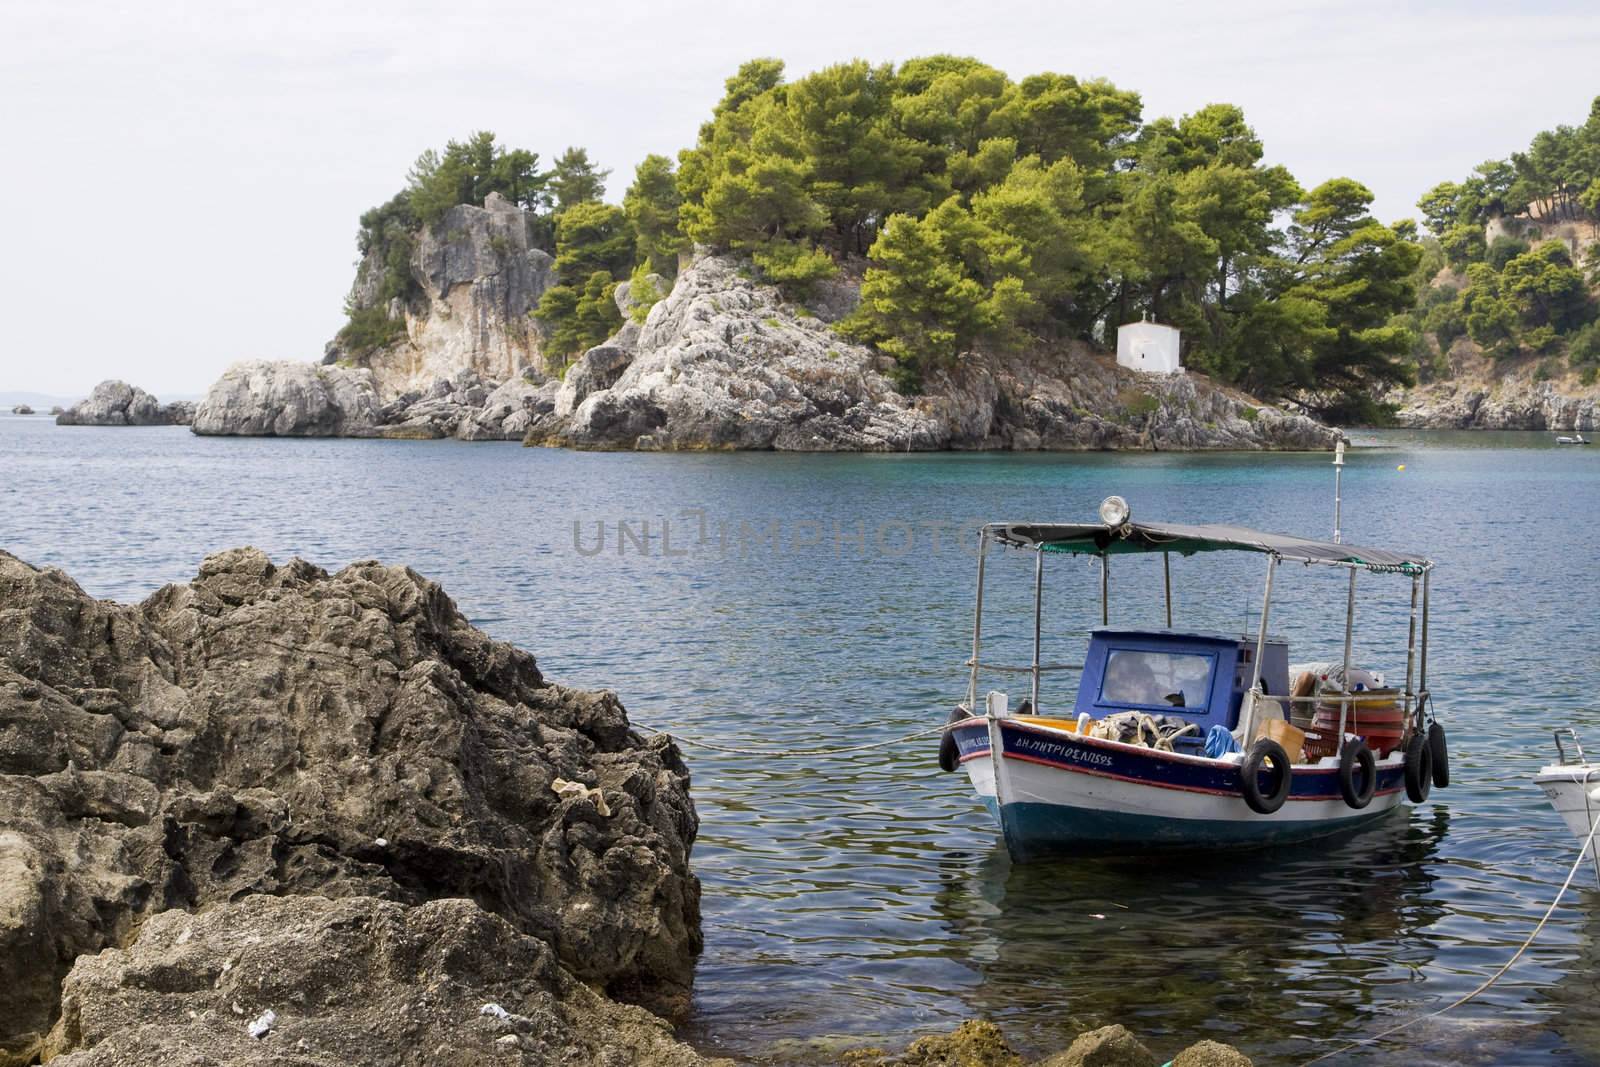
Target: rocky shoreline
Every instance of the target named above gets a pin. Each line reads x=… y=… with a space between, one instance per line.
x=279 y=815
x=1481 y=393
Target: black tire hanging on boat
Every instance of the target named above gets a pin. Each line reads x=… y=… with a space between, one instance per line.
x=1265 y=750
x=1356 y=752
x=949 y=754
x=1441 y=756
x=1419 y=767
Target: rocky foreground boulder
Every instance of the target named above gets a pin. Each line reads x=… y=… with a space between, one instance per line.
x=330 y=798
x=727 y=363
x=116 y=403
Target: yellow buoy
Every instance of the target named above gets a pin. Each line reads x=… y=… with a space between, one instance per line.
x=1401 y=467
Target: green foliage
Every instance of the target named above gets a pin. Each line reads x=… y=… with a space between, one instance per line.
x=577 y=318
x=1139 y=404
x=368 y=329
x=1583 y=349
x=995 y=213
x=643 y=292
x=590 y=237
x=1503 y=250
x=594 y=242
x=651 y=204
x=1557 y=177
x=468 y=171
x=574 y=180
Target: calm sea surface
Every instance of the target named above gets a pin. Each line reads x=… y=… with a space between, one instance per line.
x=783 y=603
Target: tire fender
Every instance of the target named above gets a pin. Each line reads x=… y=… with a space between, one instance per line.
x=1265 y=751
x=1357 y=761
x=1419 y=767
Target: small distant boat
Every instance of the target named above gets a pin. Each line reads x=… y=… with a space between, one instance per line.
x=1575 y=439
x=1189 y=740
x=1573 y=785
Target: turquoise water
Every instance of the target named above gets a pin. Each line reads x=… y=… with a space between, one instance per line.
x=864 y=897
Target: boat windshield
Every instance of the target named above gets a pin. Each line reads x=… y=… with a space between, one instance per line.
x=1154 y=679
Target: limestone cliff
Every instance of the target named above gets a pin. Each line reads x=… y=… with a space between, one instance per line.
x=477 y=276
x=726 y=363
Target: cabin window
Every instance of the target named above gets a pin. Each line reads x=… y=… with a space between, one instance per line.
x=1156 y=679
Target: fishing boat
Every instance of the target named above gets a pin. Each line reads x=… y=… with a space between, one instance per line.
x=1573 y=785
x=1187 y=740
x=1575 y=439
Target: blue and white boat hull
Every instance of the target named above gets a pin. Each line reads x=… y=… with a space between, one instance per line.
x=1055 y=793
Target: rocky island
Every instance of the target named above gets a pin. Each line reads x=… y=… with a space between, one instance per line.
x=952 y=278
x=115 y=403
x=723 y=362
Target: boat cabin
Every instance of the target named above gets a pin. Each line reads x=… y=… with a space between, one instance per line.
x=1201 y=678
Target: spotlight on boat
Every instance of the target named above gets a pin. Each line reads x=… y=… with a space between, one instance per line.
x=1114 y=511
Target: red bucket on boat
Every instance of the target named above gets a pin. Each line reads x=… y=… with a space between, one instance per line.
x=1376 y=716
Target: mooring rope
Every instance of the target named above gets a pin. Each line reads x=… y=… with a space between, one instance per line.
x=799 y=752
x=1487 y=982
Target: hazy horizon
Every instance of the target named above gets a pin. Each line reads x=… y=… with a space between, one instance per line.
x=191 y=175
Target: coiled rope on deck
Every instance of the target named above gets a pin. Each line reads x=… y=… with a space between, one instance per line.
x=784 y=751
x=1493 y=978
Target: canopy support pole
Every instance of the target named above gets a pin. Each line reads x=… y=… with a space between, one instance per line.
x=977 y=625
x=1166 y=573
x=1038 y=602
x=1409 y=699
x=1248 y=720
x=1422 y=681
x=1105 y=590
x=1349 y=635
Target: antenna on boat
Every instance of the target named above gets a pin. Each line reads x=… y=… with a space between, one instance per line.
x=1338 y=474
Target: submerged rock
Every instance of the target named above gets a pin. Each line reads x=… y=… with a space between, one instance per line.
x=22 y=409
x=726 y=363
x=280 y=731
x=115 y=403
x=978 y=1043
x=1109 y=1046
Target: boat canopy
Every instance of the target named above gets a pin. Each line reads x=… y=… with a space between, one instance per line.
x=1100 y=540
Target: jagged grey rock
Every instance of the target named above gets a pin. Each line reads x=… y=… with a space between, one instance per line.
x=1472 y=390
x=22 y=409
x=1505 y=405
x=480 y=276
x=278 y=730
x=116 y=403
x=726 y=363
x=289 y=399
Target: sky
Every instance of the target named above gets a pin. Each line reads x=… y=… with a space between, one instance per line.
x=184 y=179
